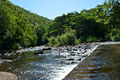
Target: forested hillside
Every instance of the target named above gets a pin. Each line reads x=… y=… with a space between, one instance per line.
x=19 y=27
x=101 y=23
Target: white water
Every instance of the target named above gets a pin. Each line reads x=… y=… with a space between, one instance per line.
x=3 y=60
x=65 y=71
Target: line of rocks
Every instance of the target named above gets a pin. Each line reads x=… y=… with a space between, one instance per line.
x=12 y=53
x=75 y=54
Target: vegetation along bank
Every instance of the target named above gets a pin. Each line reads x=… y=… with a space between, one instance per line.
x=21 y=28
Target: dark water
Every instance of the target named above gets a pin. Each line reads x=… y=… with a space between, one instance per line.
x=103 y=64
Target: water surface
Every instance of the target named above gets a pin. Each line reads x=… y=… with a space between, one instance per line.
x=49 y=66
x=103 y=64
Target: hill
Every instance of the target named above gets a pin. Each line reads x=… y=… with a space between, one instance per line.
x=19 y=27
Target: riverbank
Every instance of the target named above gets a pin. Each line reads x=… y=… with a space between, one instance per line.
x=40 y=50
x=14 y=52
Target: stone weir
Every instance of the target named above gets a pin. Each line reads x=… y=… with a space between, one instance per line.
x=73 y=55
x=91 y=68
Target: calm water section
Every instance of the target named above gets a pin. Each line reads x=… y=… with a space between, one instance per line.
x=102 y=64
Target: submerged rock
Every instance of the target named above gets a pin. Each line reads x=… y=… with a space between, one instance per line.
x=8 y=76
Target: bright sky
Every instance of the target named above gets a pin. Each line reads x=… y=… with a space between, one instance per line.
x=54 y=8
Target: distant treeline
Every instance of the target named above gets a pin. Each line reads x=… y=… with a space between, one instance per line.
x=21 y=28
x=101 y=23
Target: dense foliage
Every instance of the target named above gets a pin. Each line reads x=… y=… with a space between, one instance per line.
x=19 y=27
x=69 y=38
x=101 y=23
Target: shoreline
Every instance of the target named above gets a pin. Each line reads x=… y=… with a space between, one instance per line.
x=42 y=47
x=11 y=53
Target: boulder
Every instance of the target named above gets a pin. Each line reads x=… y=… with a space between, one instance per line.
x=39 y=52
x=47 y=48
x=8 y=76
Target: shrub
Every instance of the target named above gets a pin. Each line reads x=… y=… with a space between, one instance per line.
x=52 y=41
x=93 y=39
x=115 y=35
x=16 y=46
x=69 y=38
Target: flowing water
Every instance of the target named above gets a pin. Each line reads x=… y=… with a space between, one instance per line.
x=103 y=64
x=49 y=66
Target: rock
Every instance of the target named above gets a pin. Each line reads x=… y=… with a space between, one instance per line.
x=2 y=52
x=75 y=49
x=39 y=52
x=5 y=61
x=71 y=59
x=79 y=59
x=72 y=53
x=47 y=48
x=8 y=55
x=8 y=76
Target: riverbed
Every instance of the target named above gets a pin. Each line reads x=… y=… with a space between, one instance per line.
x=101 y=64
x=49 y=66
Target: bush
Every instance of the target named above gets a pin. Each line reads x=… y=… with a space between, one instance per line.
x=16 y=46
x=90 y=39
x=115 y=35
x=52 y=41
x=69 y=38
x=93 y=39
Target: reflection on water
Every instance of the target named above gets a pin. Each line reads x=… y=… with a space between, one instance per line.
x=49 y=66
x=35 y=67
x=103 y=64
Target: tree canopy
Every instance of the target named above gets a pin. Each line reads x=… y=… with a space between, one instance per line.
x=21 y=28
x=97 y=24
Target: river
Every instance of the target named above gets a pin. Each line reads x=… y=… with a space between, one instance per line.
x=49 y=66
x=102 y=64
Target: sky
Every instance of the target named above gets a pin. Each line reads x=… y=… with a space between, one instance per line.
x=54 y=8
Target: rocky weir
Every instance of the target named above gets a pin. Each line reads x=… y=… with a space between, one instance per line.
x=46 y=63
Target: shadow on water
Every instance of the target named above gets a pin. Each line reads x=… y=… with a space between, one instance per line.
x=103 y=64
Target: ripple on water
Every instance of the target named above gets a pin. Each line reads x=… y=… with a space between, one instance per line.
x=49 y=66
